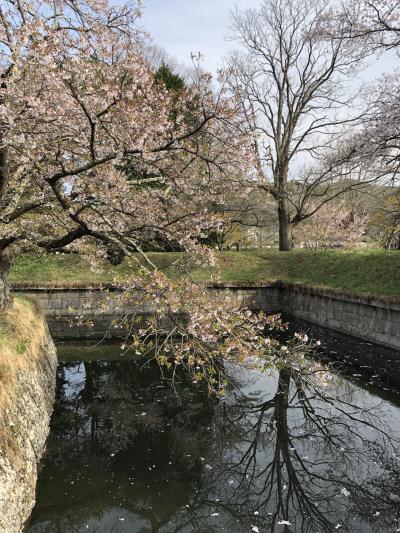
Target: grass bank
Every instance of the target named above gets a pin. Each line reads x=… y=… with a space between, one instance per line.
x=365 y=272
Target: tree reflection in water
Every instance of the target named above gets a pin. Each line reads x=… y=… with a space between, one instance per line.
x=278 y=454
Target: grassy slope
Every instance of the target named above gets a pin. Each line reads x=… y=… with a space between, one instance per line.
x=22 y=329
x=360 y=272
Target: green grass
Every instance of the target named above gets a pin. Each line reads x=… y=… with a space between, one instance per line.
x=372 y=272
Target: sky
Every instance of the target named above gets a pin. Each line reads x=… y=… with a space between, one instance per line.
x=184 y=27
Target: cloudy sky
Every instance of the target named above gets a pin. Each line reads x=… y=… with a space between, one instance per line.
x=186 y=26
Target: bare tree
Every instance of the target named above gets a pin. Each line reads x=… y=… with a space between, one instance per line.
x=294 y=87
x=345 y=170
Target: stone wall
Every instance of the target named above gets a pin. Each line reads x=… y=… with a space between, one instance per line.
x=370 y=319
x=367 y=318
x=80 y=313
x=26 y=421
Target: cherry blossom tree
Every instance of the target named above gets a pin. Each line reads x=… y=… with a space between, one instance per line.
x=375 y=22
x=384 y=225
x=331 y=226
x=96 y=154
x=77 y=101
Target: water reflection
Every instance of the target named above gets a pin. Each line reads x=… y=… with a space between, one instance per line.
x=278 y=454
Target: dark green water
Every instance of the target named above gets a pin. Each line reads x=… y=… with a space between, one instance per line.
x=125 y=454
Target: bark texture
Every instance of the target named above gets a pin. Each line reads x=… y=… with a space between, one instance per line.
x=285 y=227
x=5 y=299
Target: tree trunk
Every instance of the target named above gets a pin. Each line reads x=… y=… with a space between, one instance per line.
x=5 y=264
x=4 y=176
x=281 y=181
x=5 y=298
x=285 y=229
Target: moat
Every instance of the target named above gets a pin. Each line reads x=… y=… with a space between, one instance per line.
x=127 y=453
